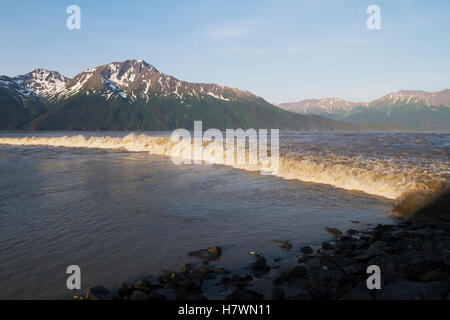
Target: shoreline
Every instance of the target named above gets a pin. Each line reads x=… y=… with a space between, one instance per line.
x=413 y=257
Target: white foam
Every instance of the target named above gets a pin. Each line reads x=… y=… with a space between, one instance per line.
x=375 y=177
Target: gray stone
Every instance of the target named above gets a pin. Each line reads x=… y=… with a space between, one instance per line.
x=410 y=290
x=306 y=250
x=98 y=293
x=137 y=295
x=211 y=253
x=358 y=294
x=378 y=247
x=334 y=231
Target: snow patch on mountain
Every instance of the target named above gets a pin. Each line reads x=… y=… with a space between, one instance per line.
x=39 y=83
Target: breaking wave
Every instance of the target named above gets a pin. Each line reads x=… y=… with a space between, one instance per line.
x=412 y=186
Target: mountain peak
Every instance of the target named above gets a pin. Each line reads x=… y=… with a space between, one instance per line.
x=37 y=83
x=328 y=105
x=409 y=97
x=132 y=64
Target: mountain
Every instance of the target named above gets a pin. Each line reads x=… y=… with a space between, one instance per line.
x=320 y=106
x=21 y=96
x=134 y=95
x=408 y=109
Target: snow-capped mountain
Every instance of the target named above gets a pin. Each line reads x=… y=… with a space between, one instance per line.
x=136 y=79
x=134 y=95
x=327 y=105
x=398 y=98
x=39 y=83
x=414 y=97
x=407 y=109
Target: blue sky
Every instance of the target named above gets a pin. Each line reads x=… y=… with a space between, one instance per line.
x=280 y=50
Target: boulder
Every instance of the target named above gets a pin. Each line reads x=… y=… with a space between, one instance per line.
x=137 y=295
x=260 y=266
x=278 y=294
x=296 y=272
x=327 y=245
x=221 y=271
x=351 y=232
x=306 y=250
x=241 y=282
x=211 y=253
x=378 y=247
x=147 y=285
x=410 y=290
x=163 y=294
x=98 y=293
x=334 y=231
x=358 y=294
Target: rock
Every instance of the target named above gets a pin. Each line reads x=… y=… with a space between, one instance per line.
x=296 y=272
x=147 y=285
x=211 y=253
x=163 y=294
x=98 y=293
x=376 y=248
x=334 y=231
x=327 y=246
x=410 y=290
x=171 y=279
x=203 y=270
x=351 y=232
x=189 y=268
x=286 y=245
x=260 y=267
x=358 y=294
x=446 y=256
x=139 y=295
x=415 y=270
x=210 y=276
x=245 y=294
x=278 y=294
x=355 y=268
x=124 y=291
x=434 y=275
x=241 y=282
x=306 y=250
x=221 y=271
x=302 y=294
x=332 y=261
x=305 y=258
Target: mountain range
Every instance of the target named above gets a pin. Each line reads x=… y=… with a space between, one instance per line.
x=408 y=109
x=133 y=95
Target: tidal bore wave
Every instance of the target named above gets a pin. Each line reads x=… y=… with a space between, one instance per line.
x=413 y=187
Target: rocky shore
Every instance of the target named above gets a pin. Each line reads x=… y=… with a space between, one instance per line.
x=413 y=257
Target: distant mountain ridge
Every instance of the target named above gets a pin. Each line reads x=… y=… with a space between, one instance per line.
x=327 y=105
x=134 y=95
x=407 y=109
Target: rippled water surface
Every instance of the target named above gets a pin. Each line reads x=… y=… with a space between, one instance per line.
x=121 y=214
